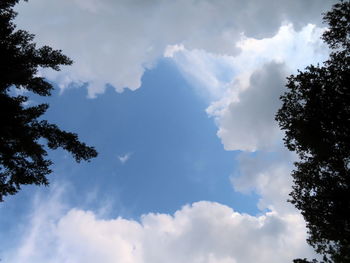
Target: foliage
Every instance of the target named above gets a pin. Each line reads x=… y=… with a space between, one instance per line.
x=315 y=116
x=24 y=136
x=304 y=261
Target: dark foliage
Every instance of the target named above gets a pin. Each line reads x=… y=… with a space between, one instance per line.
x=24 y=136
x=315 y=116
x=304 y=261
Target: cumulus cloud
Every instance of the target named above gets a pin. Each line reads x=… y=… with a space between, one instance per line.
x=243 y=90
x=268 y=175
x=248 y=124
x=204 y=232
x=246 y=116
x=116 y=41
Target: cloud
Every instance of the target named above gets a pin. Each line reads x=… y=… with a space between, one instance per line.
x=116 y=41
x=248 y=124
x=268 y=175
x=208 y=73
x=204 y=232
x=243 y=95
x=243 y=91
x=124 y=157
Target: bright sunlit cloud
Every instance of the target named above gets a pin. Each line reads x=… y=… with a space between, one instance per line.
x=243 y=90
x=204 y=232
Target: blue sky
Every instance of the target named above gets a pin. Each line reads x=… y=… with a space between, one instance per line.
x=191 y=164
x=175 y=155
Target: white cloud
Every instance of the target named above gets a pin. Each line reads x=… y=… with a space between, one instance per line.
x=208 y=73
x=243 y=90
x=204 y=232
x=268 y=175
x=124 y=157
x=248 y=124
x=116 y=41
x=244 y=93
x=170 y=50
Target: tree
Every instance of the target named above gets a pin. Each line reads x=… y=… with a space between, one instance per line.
x=24 y=135
x=315 y=116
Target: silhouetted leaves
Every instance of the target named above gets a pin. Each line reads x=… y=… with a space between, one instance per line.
x=24 y=138
x=315 y=116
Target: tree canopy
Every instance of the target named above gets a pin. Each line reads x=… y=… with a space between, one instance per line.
x=25 y=136
x=315 y=116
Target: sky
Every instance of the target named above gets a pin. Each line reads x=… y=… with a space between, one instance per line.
x=178 y=97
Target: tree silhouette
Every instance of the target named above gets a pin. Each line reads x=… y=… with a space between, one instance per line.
x=24 y=135
x=316 y=118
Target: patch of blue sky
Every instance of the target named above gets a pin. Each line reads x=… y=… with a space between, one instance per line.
x=175 y=156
